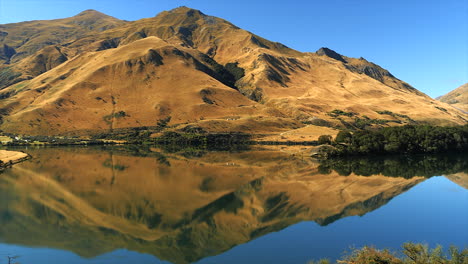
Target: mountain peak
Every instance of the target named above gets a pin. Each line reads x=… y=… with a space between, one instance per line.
x=181 y=16
x=186 y=10
x=330 y=53
x=91 y=18
x=90 y=12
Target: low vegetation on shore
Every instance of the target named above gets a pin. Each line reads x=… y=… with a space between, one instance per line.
x=159 y=135
x=408 y=139
x=411 y=254
x=8 y=158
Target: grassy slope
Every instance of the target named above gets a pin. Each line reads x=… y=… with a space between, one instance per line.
x=281 y=89
x=457 y=98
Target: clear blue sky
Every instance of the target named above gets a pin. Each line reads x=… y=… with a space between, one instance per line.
x=423 y=42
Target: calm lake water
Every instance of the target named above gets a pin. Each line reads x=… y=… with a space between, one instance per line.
x=131 y=205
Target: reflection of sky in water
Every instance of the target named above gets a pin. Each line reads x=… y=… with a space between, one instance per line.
x=43 y=256
x=433 y=212
x=428 y=213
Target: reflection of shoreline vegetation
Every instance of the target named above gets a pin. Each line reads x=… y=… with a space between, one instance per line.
x=396 y=140
x=108 y=164
x=408 y=139
x=412 y=254
x=406 y=166
x=194 y=233
x=219 y=141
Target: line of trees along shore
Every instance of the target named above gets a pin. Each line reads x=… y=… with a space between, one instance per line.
x=409 y=139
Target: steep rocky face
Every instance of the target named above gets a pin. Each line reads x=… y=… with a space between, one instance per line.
x=193 y=67
x=362 y=66
x=330 y=53
x=458 y=98
x=6 y=52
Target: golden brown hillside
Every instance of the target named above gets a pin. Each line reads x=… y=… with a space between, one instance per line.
x=458 y=98
x=45 y=42
x=197 y=69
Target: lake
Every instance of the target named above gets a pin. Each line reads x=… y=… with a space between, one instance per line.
x=135 y=205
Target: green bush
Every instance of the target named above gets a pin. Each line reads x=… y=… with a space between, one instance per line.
x=343 y=137
x=412 y=254
x=325 y=139
x=370 y=255
x=338 y=112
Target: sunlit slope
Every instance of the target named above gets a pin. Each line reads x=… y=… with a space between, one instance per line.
x=30 y=48
x=458 y=98
x=133 y=85
x=179 y=209
x=198 y=69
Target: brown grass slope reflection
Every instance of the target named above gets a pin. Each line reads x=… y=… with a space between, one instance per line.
x=178 y=208
x=459 y=178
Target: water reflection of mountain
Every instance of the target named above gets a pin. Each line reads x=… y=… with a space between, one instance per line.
x=180 y=209
x=459 y=178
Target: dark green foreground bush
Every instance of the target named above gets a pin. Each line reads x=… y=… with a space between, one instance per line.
x=411 y=254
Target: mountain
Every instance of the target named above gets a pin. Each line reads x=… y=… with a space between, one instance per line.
x=92 y=72
x=28 y=49
x=458 y=98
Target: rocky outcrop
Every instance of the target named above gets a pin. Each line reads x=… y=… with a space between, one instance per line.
x=330 y=53
x=6 y=52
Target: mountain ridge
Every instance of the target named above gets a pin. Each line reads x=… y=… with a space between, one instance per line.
x=240 y=81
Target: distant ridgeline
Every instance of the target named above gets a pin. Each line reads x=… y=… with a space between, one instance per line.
x=406 y=166
x=407 y=139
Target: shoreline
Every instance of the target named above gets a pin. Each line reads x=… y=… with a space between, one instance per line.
x=8 y=158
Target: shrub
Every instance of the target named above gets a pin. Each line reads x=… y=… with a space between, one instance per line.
x=338 y=112
x=413 y=254
x=370 y=255
x=325 y=139
x=343 y=137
